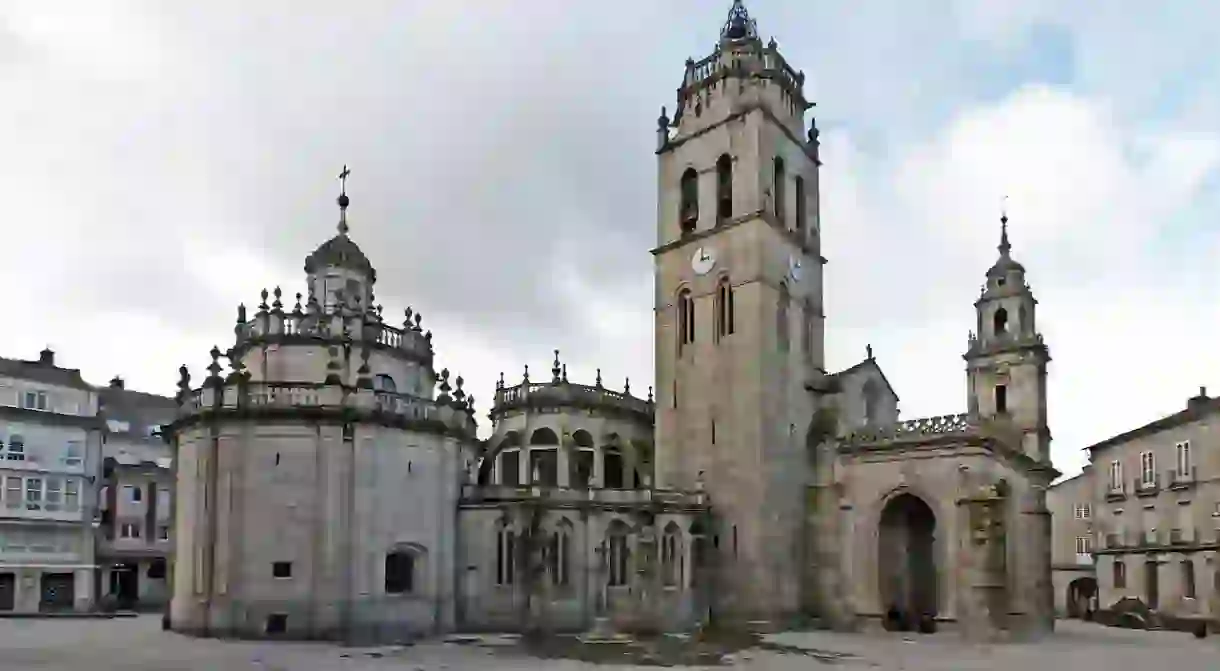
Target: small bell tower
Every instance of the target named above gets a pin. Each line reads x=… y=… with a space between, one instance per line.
x=1006 y=361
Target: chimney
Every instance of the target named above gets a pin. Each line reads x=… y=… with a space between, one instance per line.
x=1198 y=402
x=116 y=382
x=47 y=357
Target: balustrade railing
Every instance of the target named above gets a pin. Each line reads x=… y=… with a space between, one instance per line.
x=567 y=392
x=319 y=396
x=359 y=328
x=914 y=428
x=480 y=493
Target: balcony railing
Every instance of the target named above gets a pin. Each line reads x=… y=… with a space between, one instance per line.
x=1147 y=484
x=1182 y=479
x=1117 y=491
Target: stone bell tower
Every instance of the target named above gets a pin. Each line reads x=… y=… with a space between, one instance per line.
x=739 y=309
x=1007 y=357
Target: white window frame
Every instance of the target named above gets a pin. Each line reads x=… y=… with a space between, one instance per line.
x=1084 y=545
x=1116 y=475
x=73 y=453
x=1182 y=454
x=129 y=530
x=18 y=454
x=1083 y=511
x=53 y=494
x=34 y=399
x=14 y=491
x=33 y=493
x=1147 y=468
x=71 y=495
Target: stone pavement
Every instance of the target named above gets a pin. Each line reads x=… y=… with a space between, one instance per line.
x=139 y=645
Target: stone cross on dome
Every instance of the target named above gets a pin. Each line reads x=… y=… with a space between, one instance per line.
x=343 y=200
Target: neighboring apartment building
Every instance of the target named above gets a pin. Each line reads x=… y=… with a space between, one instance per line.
x=50 y=447
x=1156 y=509
x=137 y=490
x=1072 y=562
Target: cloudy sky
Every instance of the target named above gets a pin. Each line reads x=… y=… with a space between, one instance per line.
x=161 y=162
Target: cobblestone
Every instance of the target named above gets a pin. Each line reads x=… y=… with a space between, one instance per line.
x=139 y=645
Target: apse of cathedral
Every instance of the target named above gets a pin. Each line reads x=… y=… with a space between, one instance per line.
x=331 y=481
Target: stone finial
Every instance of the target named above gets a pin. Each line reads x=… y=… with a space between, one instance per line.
x=296 y=307
x=772 y=44
x=184 y=377
x=555 y=369
x=428 y=338
x=599 y=378
x=278 y=304
x=650 y=394
x=627 y=387
x=378 y=312
x=564 y=375
x=214 y=368
x=470 y=406
x=241 y=314
x=500 y=383
x=406 y=323
x=419 y=317
x=525 y=377
x=662 y=130
x=868 y=351
x=459 y=394
x=262 y=306
x=444 y=387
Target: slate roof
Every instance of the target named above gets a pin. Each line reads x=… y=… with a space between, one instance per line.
x=1197 y=408
x=46 y=373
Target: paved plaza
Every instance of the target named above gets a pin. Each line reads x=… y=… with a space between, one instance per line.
x=138 y=644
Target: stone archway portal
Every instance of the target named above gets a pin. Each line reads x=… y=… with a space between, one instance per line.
x=906 y=559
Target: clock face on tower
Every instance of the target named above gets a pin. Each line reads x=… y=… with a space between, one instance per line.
x=703 y=261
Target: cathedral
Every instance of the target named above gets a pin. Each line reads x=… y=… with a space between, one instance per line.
x=330 y=482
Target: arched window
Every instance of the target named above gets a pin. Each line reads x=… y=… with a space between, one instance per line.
x=724 y=308
x=686 y=319
x=807 y=330
x=558 y=553
x=581 y=464
x=999 y=322
x=401 y=565
x=724 y=188
x=671 y=556
x=506 y=561
x=689 y=209
x=544 y=461
x=617 y=553
x=799 y=185
x=384 y=382
x=781 y=202
x=781 y=318
x=612 y=467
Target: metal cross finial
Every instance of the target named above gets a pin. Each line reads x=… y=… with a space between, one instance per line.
x=343 y=200
x=343 y=180
x=1004 y=247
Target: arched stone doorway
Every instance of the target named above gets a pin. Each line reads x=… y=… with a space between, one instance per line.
x=906 y=560
x=1080 y=594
